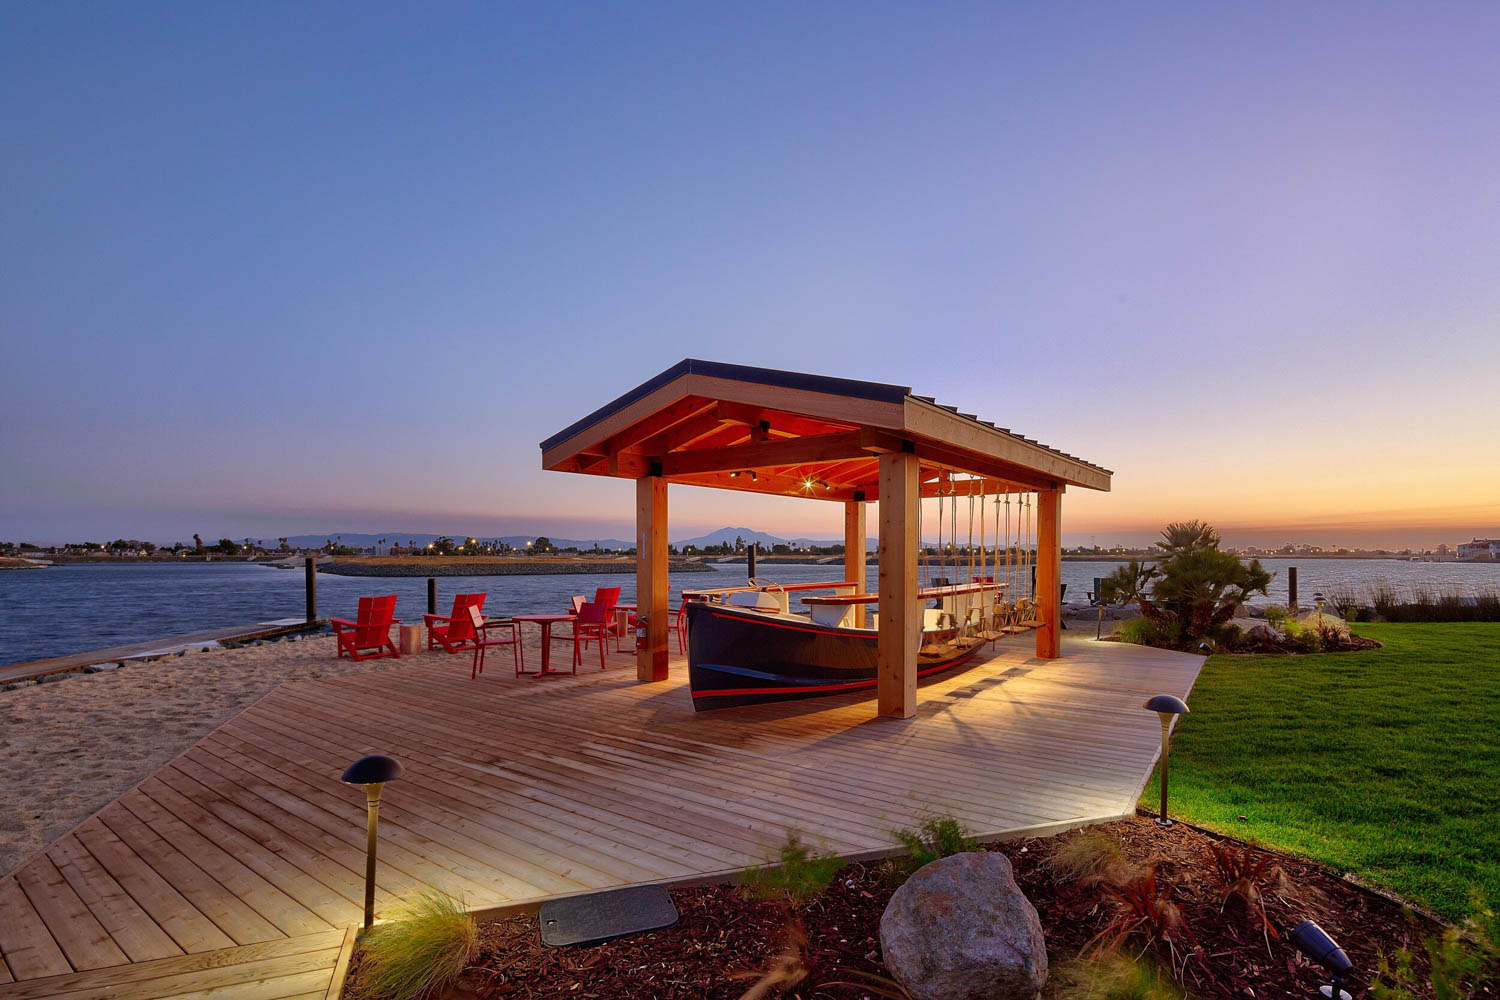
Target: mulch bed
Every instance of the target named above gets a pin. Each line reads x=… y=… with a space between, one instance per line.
x=725 y=939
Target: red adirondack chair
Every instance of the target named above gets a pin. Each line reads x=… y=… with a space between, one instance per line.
x=592 y=625
x=609 y=597
x=371 y=629
x=484 y=640
x=454 y=631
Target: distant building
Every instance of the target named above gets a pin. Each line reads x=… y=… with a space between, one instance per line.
x=1480 y=548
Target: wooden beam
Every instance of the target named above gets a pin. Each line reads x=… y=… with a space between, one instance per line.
x=591 y=437
x=854 y=552
x=689 y=431
x=1049 y=574
x=762 y=455
x=668 y=416
x=900 y=632
x=651 y=576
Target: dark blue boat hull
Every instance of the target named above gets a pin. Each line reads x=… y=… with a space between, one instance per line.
x=738 y=657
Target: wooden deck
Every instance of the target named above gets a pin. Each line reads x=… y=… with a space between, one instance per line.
x=244 y=856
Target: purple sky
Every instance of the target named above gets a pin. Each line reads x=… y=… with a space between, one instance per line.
x=277 y=268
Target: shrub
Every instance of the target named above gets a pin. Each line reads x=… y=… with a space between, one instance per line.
x=1342 y=599
x=426 y=946
x=1145 y=632
x=799 y=874
x=1195 y=589
x=1300 y=639
x=1460 y=961
x=937 y=837
x=1091 y=855
x=1115 y=976
x=1275 y=614
x=1229 y=636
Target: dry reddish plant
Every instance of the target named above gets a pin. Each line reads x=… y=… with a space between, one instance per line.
x=1143 y=912
x=788 y=968
x=1247 y=874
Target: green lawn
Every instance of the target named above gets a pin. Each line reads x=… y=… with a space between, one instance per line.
x=1384 y=764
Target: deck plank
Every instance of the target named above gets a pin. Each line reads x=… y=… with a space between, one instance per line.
x=128 y=925
x=29 y=949
x=83 y=940
x=168 y=968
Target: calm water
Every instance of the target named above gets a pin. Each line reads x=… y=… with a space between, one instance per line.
x=69 y=609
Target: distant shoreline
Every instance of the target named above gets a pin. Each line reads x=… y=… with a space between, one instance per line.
x=450 y=566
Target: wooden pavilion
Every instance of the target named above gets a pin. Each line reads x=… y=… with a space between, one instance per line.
x=758 y=430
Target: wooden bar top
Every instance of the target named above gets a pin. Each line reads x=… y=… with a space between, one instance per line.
x=718 y=591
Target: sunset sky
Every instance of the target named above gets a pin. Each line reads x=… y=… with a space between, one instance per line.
x=280 y=268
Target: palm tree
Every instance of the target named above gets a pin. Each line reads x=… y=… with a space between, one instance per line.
x=1187 y=536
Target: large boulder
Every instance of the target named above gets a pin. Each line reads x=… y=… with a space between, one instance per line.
x=961 y=929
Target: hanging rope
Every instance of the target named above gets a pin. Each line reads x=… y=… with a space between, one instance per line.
x=940 y=527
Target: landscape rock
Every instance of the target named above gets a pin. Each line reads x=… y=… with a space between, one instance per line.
x=961 y=929
x=1265 y=636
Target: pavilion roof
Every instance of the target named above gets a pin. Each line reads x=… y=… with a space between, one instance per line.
x=762 y=430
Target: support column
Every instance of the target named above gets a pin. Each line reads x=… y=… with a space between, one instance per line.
x=854 y=552
x=1049 y=573
x=651 y=576
x=900 y=634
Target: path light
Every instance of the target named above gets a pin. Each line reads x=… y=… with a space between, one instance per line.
x=372 y=772
x=1314 y=942
x=1318 y=600
x=1165 y=706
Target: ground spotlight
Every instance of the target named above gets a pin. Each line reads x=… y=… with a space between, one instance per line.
x=1165 y=706
x=372 y=772
x=1314 y=942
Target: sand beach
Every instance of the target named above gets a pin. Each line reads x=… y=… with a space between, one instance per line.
x=72 y=746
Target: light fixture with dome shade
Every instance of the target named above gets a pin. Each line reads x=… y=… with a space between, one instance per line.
x=1318 y=599
x=1314 y=942
x=1166 y=707
x=372 y=772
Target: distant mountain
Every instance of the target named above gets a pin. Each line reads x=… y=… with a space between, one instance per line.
x=728 y=536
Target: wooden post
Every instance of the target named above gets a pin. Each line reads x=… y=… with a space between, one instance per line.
x=854 y=553
x=312 y=589
x=1049 y=573
x=900 y=634
x=1291 y=587
x=431 y=596
x=651 y=576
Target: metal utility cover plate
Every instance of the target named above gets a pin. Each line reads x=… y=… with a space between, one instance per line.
x=604 y=915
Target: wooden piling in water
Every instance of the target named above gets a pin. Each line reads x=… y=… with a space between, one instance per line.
x=1291 y=586
x=312 y=588
x=431 y=595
